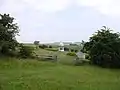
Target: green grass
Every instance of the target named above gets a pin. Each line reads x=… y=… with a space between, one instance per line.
x=52 y=49
x=73 y=47
x=37 y=75
x=62 y=75
x=62 y=57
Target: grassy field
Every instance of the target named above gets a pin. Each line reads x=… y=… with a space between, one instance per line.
x=27 y=74
x=62 y=57
x=39 y=75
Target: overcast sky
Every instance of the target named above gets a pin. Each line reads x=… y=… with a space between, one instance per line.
x=61 y=20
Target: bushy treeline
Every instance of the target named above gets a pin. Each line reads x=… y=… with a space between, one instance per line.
x=71 y=54
x=51 y=48
x=43 y=46
x=103 y=48
x=8 y=43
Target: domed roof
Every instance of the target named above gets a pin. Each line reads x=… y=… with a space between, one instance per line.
x=61 y=44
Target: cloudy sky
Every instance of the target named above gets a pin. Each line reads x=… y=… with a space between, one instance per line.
x=61 y=20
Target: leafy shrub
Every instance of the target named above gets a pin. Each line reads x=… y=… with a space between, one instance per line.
x=26 y=51
x=72 y=50
x=43 y=46
x=104 y=48
x=36 y=42
x=87 y=56
x=71 y=54
x=66 y=49
x=50 y=46
x=13 y=53
x=8 y=32
x=76 y=50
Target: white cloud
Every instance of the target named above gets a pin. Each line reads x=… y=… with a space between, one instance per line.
x=107 y=7
x=12 y=6
x=49 y=5
x=35 y=22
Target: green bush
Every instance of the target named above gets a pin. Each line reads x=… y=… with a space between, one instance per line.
x=13 y=53
x=76 y=50
x=72 y=50
x=71 y=54
x=87 y=56
x=50 y=46
x=8 y=32
x=26 y=51
x=43 y=46
x=66 y=49
x=104 y=48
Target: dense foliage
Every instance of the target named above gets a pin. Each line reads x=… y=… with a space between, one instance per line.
x=36 y=42
x=104 y=48
x=66 y=49
x=50 y=46
x=8 y=43
x=26 y=51
x=8 y=31
x=71 y=54
x=43 y=46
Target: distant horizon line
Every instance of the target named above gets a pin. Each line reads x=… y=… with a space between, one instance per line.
x=53 y=42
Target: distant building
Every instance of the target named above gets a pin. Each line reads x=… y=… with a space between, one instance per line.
x=61 y=47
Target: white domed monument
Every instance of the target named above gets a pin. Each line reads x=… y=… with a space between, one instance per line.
x=61 y=47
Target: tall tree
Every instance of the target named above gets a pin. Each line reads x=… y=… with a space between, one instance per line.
x=104 y=48
x=36 y=42
x=8 y=31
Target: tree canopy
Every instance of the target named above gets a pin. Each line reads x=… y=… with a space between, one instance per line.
x=104 y=48
x=36 y=42
x=8 y=31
